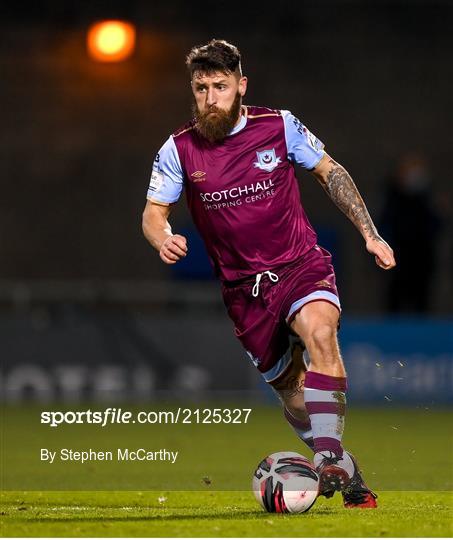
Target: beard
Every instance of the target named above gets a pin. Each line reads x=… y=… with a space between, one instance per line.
x=215 y=127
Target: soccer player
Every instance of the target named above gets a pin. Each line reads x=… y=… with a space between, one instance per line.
x=236 y=164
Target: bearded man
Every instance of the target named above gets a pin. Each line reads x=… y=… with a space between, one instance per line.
x=236 y=164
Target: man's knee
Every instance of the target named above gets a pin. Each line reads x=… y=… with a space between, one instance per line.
x=317 y=325
x=323 y=336
x=322 y=345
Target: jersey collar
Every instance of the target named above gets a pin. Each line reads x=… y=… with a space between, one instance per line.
x=241 y=125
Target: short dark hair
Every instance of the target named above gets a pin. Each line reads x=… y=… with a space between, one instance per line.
x=217 y=55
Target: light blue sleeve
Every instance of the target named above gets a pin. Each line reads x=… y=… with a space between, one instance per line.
x=303 y=147
x=167 y=177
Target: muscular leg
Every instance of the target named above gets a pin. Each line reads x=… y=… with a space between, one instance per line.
x=325 y=381
x=324 y=394
x=316 y=324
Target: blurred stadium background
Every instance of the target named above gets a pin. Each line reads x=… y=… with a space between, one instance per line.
x=88 y=311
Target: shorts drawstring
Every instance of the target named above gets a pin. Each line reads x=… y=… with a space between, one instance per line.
x=256 y=288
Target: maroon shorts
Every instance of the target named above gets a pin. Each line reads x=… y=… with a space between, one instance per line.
x=263 y=306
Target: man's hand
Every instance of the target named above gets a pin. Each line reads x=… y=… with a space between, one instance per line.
x=173 y=249
x=382 y=251
x=157 y=230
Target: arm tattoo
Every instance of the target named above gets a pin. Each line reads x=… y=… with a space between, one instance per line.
x=343 y=192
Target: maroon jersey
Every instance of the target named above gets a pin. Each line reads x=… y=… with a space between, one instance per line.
x=243 y=193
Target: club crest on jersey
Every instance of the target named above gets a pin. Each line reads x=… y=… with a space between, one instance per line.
x=267 y=160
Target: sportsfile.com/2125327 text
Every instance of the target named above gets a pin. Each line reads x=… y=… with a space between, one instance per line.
x=180 y=415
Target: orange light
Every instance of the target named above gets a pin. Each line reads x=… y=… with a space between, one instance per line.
x=111 y=41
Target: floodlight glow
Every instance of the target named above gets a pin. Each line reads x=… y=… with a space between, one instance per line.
x=111 y=41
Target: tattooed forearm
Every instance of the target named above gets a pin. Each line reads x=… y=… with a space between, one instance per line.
x=343 y=192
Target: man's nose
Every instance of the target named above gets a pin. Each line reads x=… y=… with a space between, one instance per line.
x=210 y=97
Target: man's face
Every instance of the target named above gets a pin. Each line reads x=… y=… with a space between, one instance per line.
x=218 y=99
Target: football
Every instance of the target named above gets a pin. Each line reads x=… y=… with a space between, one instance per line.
x=286 y=482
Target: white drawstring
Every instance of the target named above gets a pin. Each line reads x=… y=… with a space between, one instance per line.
x=256 y=288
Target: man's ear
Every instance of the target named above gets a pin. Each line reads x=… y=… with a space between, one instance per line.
x=242 y=86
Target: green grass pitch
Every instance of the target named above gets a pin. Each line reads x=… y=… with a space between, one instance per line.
x=218 y=514
x=406 y=455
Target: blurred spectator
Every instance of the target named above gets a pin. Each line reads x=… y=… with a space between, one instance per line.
x=412 y=225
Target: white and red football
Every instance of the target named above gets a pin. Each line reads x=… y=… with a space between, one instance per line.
x=286 y=482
